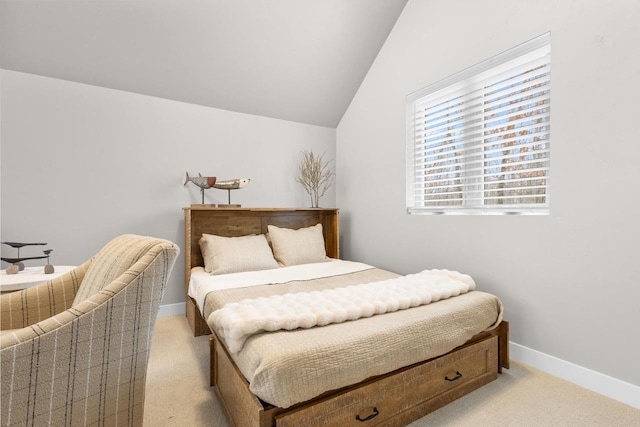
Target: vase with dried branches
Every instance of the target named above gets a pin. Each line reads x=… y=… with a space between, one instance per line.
x=315 y=175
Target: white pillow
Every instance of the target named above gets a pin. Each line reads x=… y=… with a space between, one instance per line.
x=223 y=255
x=302 y=246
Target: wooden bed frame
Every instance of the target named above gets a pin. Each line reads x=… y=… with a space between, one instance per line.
x=393 y=399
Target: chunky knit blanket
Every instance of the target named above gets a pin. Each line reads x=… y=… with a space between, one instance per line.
x=236 y=322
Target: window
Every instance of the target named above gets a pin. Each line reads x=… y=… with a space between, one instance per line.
x=479 y=141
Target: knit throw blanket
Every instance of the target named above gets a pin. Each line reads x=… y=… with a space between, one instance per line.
x=236 y=322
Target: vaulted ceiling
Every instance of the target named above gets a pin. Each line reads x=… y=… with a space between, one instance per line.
x=299 y=60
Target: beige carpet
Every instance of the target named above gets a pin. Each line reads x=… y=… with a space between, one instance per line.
x=178 y=393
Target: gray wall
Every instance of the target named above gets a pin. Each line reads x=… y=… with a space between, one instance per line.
x=82 y=164
x=569 y=281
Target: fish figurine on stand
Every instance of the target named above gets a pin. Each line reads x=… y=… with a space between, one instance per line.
x=204 y=182
x=231 y=184
x=17 y=264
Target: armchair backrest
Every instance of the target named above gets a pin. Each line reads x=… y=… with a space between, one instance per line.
x=114 y=259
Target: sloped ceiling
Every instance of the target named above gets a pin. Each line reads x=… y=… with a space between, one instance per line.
x=299 y=60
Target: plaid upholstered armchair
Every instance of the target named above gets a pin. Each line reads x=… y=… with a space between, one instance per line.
x=75 y=349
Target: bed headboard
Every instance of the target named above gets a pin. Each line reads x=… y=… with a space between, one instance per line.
x=234 y=222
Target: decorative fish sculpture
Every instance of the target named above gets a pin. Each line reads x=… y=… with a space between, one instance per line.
x=203 y=182
x=231 y=184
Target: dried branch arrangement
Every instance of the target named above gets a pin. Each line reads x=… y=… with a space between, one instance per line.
x=316 y=176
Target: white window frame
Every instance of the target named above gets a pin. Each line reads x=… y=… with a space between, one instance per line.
x=474 y=175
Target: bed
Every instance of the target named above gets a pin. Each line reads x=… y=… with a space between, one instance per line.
x=379 y=392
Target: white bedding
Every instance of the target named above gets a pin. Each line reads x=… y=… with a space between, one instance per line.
x=236 y=322
x=201 y=282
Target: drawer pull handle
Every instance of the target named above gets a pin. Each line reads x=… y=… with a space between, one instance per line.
x=375 y=414
x=457 y=377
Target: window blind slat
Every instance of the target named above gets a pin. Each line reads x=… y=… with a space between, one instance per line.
x=486 y=157
x=523 y=110
x=530 y=98
x=438 y=183
x=513 y=72
x=493 y=137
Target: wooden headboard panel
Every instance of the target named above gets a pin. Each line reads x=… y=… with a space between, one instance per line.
x=234 y=222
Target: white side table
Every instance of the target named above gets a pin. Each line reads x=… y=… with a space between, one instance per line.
x=30 y=276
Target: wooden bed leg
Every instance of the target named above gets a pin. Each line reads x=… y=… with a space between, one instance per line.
x=503 y=345
x=212 y=362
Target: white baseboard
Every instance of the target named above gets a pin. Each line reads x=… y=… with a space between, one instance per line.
x=167 y=310
x=595 y=381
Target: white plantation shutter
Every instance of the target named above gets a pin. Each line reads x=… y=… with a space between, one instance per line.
x=479 y=141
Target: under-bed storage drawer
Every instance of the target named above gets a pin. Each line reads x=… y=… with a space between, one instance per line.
x=409 y=394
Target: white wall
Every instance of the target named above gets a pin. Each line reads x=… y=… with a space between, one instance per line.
x=569 y=281
x=82 y=164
